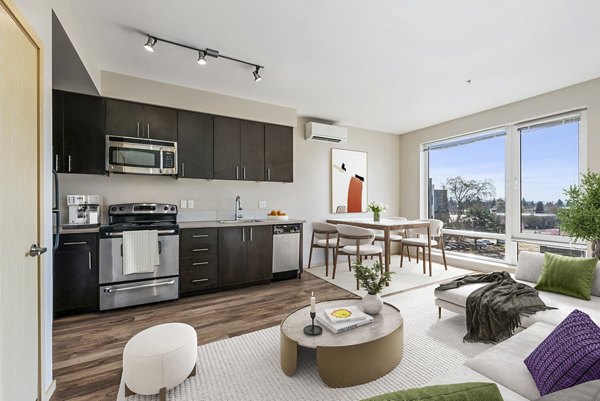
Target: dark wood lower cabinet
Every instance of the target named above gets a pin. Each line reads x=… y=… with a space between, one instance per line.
x=232 y=256
x=259 y=259
x=75 y=275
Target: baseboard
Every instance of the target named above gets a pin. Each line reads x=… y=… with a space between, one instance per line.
x=49 y=391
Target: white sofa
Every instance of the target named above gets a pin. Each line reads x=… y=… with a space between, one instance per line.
x=503 y=363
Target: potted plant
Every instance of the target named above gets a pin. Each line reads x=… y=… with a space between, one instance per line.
x=580 y=219
x=377 y=208
x=373 y=280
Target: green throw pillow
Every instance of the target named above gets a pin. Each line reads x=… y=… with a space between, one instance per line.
x=445 y=392
x=567 y=275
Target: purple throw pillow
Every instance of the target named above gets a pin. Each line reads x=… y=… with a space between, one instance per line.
x=570 y=355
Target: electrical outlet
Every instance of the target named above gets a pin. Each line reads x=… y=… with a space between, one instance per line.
x=190 y=204
x=183 y=204
x=262 y=204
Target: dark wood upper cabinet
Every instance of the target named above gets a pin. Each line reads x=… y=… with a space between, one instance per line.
x=139 y=120
x=160 y=123
x=124 y=118
x=279 y=153
x=195 y=145
x=252 y=150
x=227 y=165
x=260 y=253
x=78 y=133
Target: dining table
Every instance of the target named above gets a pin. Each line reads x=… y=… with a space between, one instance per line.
x=387 y=225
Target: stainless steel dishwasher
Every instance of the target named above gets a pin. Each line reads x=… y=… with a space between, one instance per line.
x=286 y=251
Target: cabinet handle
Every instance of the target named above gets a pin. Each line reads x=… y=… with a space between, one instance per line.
x=75 y=243
x=89 y=260
x=244 y=172
x=200 y=250
x=199 y=263
x=237 y=173
x=200 y=236
x=250 y=234
x=200 y=280
x=243 y=235
x=138 y=129
x=148 y=130
x=182 y=169
x=268 y=174
x=69 y=167
x=56 y=162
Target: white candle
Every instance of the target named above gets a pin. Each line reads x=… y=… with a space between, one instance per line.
x=312 y=302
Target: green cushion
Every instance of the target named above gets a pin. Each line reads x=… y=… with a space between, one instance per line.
x=445 y=392
x=567 y=275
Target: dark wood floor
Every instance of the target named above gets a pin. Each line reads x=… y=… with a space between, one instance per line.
x=88 y=348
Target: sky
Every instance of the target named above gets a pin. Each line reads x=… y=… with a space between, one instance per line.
x=549 y=162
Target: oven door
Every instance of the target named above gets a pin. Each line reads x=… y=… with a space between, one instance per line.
x=111 y=258
x=140 y=156
x=138 y=293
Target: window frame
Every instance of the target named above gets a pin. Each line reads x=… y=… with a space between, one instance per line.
x=512 y=174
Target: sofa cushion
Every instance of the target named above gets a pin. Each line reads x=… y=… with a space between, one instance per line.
x=567 y=275
x=445 y=392
x=466 y=374
x=570 y=355
x=503 y=363
x=565 y=305
x=458 y=296
x=589 y=391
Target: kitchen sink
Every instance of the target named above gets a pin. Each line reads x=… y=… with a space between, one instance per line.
x=241 y=221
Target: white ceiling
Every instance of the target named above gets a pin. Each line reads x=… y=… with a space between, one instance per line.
x=389 y=65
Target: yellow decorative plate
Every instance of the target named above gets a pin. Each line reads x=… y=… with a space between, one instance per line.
x=341 y=313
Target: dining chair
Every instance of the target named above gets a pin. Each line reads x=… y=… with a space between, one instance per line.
x=324 y=236
x=356 y=241
x=420 y=241
x=396 y=236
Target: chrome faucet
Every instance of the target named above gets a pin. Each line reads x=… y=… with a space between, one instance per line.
x=238 y=208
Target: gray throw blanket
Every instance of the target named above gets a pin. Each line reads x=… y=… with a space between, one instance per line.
x=494 y=311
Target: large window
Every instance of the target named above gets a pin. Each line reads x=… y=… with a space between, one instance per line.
x=498 y=191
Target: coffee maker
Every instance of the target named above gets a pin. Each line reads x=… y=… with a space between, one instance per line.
x=84 y=210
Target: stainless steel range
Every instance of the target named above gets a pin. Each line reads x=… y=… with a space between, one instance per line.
x=120 y=287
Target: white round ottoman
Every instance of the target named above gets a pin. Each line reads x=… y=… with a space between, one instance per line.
x=159 y=358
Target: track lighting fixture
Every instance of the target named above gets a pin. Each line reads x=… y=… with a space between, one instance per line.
x=150 y=44
x=201 y=58
x=202 y=54
x=257 y=76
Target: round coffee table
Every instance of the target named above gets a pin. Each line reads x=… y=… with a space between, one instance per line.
x=350 y=358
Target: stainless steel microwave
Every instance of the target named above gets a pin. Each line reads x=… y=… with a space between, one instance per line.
x=140 y=156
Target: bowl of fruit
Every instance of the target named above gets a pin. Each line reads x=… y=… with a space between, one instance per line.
x=277 y=215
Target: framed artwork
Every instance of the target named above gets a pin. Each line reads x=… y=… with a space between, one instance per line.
x=348 y=181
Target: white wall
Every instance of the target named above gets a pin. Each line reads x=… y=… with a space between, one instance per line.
x=584 y=95
x=308 y=197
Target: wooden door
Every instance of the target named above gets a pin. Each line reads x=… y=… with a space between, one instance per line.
x=195 y=145
x=232 y=255
x=20 y=125
x=124 y=118
x=252 y=146
x=279 y=153
x=260 y=254
x=227 y=149
x=84 y=138
x=160 y=123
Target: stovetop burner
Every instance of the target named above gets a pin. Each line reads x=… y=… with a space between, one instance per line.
x=141 y=216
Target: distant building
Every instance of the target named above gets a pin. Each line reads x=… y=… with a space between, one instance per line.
x=440 y=204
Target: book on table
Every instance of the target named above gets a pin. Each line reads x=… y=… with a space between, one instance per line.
x=342 y=326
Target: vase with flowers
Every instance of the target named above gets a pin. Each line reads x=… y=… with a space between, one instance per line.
x=373 y=279
x=377 y=208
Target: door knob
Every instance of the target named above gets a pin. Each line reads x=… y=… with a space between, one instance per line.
x=36 y=250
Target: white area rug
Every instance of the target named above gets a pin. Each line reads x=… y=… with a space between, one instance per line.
x=246 y=368
x=409 y=276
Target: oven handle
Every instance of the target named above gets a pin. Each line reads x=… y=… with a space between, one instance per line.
x=120 y=234
x=110 y=289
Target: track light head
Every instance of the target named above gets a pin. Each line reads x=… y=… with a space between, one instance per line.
x=257 y=76
x=201 y=58
x=150 y=44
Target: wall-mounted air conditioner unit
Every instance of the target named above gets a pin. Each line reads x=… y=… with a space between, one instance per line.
x=325 y=132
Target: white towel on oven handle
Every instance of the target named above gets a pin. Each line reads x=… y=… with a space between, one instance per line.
x=140 y=251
